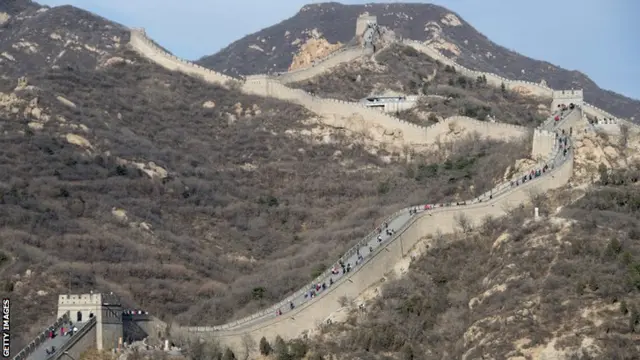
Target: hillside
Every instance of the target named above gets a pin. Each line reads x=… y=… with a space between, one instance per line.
x=312 y=31
x=563 y=287
x=401 y=70
x=34 y=37
x=117 y=175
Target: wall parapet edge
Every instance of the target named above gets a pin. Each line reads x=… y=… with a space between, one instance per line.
x=553 y=155
x=270 y=79
x=40 y=338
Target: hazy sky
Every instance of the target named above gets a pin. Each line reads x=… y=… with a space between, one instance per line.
x=597 y=37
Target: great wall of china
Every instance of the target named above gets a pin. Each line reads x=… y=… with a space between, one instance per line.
x=310 y=314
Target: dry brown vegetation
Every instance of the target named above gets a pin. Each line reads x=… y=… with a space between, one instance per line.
x=241 y=198
x=405 y=70
x=571 y=289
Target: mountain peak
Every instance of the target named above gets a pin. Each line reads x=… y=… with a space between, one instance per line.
x=282 y=46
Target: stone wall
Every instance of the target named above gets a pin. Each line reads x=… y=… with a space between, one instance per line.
x=108 y=317
x=265 y=85
x=362 y=22
x=574 y=121
x=85 y=304
x=309 y=315
x=412 y=134
x=334 y=59
x=40 y=338
x=492 y=79
x=267 y=313
x=145 y=47
x=313 y=313
x=80 y=342
x=544 y=143
x=392 y=106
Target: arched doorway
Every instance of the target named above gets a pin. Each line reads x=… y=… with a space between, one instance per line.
x=79 y=316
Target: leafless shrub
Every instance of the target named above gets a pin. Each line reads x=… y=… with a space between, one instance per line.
x=238 y=200
x=624 y=137
x=428 y=309
x=409 y=73
x=464 y=222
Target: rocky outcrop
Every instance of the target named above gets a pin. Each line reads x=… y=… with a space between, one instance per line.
x=312 y=49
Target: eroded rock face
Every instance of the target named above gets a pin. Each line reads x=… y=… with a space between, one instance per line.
x=420 y=22
x=78 y=141
x=312 y=49
x=4 y=17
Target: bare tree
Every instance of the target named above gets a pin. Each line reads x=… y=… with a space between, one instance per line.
x=438 y=238
x=343 y=301
x=233 y=85
x=624 y=138
x=249 y=344
x=463 y=221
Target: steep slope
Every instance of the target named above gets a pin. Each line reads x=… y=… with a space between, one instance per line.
x=401 y=70
x=274 y=48
x=178 y=195
x=34 y=38
x=564 y=287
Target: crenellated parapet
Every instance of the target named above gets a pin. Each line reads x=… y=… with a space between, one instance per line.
x=566 y=98
x=552 y=173
x=492 y=79
x=266 y=322
x=143 y=45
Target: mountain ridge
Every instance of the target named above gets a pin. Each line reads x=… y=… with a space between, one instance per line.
x=445 y=29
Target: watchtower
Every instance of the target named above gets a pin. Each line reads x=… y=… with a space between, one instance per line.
x=365 y=26
x=107 y=310
x=566 y=97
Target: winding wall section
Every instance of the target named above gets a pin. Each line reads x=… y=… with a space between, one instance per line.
x=410 y=229
x=337 y=110
x=312 y=313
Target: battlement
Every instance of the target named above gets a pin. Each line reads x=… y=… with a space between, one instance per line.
x=141 y=43
x=363 y=21
x=538 y=89
x=568 y=94
x=388 y=99
x=88 y=299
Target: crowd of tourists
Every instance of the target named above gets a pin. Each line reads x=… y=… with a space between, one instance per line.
x=343 y=268
x=66 y=329
x=130 y=312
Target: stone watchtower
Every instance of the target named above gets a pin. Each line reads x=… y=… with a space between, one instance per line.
x=366 y=26
x=566 y=97
x=106 y=309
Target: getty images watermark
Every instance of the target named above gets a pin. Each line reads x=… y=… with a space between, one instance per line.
x=6 y=328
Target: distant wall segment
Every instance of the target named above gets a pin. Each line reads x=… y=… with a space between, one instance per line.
x=141 y=43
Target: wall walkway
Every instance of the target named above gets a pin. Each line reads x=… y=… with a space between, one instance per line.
x=41 y=341
x=265 y=85
x=309 y=313
x=443 y=218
